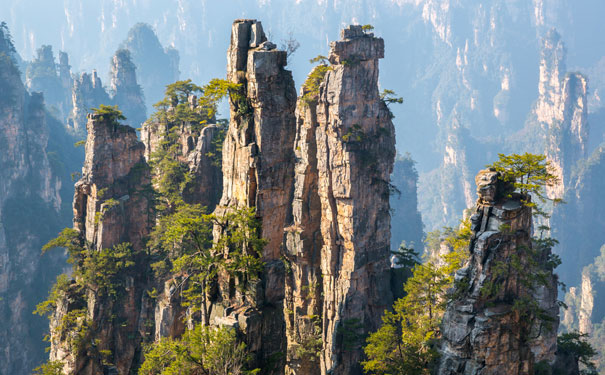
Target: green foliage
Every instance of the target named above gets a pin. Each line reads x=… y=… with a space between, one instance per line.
x=242 y=243
x=576 y=344
x=109 y=113
x=204 y=350
x=323 y=60
x=405 y=257
x=184 y=239
x=47 y=307
x=354 y=134
x=103 y=271
x=80 y=143
x=49 y=368
x=314 y=80
x=367 y=28
x=405 y=343
x=311 y=343
x=70 y=240
x=175 y=108
x=530 y=175
x=389 y=97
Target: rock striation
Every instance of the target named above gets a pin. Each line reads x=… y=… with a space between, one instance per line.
x=487 y=328
x=339 y=242
x=257 y=172
x=32 y=197
x=87 y=93
x=111 y=205
x=198 y=149
x=126 y=92
x=561 y=111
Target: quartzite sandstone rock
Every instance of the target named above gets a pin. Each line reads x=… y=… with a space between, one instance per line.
x=561 y=111
x=482 y=332
x=111 y=206
x=258 y=171
x=355 y=154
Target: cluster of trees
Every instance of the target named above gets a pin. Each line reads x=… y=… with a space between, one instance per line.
x=180 y=246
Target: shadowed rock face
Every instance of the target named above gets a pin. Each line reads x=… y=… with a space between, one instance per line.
x=127 y=93
x=482 y=332
x=111 y=206
x=30 y=203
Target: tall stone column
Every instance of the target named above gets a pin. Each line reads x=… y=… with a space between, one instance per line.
x=488 y=329
x=355 y=155
x=258 y=164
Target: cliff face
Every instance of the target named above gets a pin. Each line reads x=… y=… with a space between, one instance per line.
x=355 y=152
x=489 y=328
x=87 y=93
x=127 y=93
x=197 y=149
x=561 y=111
x=157 y=66
x=111 y=207
x=258 y=170
x=31 y=203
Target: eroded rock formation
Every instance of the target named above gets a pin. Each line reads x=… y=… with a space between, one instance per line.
x=111 y=205
x=126 y=92
x=31 y=211
x=339 y=241
x=490 y=328
x=257 y=172
x=561 y=111
x=356 y=149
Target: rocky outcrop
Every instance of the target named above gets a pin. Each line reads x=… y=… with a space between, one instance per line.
x=257 y=172
x=31 y=203
x=493 y=326
x=355 y=152
x=156 y=66
x=303 y=243
x=198 y=149
x=45 y=76
x=111 y=206
x=114 y=169
x=338 y=245
x=561 y=111
x=87 y=93
x=127 y=93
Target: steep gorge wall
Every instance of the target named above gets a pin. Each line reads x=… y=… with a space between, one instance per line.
x=33 y=194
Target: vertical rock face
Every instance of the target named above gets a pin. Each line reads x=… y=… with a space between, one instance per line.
x=114 y=168
x=303 y=244
x=111 y=207
x=196 y=149
x=87 y=93
x=126 y=91
x=483 y=333
x=355 y=153
x=42 y=76
x=30 y=201
x=157 y=66
x=258 y=167
x=561 y=111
